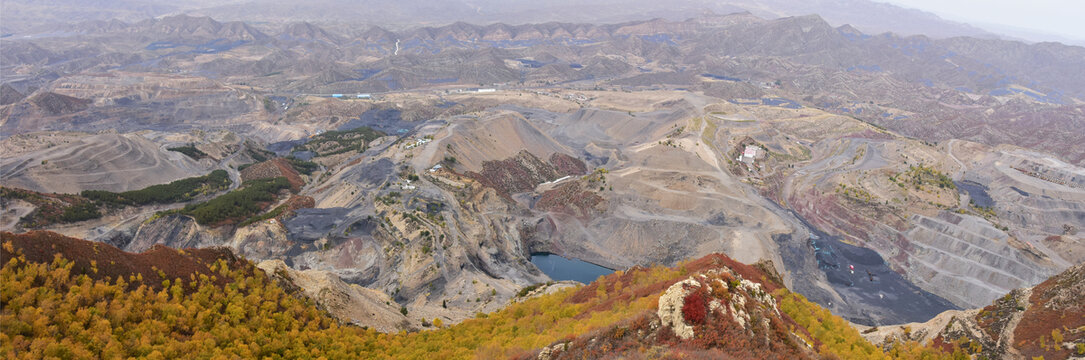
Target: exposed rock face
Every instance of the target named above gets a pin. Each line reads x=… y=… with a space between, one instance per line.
x=743 y=300
x=966 y=259
x=176 y=231
x=671 y=304
x=347 y=302
x=264 y=240
x=669 y=202
x=969 y=240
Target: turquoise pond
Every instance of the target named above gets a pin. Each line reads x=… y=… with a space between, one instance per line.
x=560 y=268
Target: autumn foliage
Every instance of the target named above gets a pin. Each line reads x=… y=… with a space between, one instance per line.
x=69 y=301
x=695 y=307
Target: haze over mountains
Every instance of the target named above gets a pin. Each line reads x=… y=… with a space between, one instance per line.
x=871 y=17
x=401 y=163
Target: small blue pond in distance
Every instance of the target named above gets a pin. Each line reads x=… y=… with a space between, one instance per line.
x=560 y=268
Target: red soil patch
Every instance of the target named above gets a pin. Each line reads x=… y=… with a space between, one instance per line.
x=356 y=161
x=111 y=262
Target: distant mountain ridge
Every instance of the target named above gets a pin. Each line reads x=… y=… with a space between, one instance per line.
x=982 y=85
x=871 y=16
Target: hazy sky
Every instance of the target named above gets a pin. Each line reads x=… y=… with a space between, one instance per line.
x=1060 y=17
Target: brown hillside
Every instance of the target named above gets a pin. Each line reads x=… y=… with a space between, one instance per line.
x=101 y=261
x=272 y=169
x=57 y=104
x=1053 y=326
x=570 y=198
x=525 y=171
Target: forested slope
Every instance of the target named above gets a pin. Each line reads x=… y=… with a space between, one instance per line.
x=69 y=298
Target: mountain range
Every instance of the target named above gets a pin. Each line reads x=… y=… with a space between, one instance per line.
x=406 y=186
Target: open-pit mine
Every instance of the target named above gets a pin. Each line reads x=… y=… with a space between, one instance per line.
x=397 y=177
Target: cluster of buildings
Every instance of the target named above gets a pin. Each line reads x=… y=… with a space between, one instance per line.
x=417 y=142
x=749 y=154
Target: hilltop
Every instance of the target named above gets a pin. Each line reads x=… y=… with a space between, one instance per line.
x=73 y=298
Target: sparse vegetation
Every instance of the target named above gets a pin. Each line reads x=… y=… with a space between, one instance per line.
x=259 y=155
x=856 y=193
x=269 y=105
x=921 y=175
x=528 y=289
x=338 y=142
x=389 y=199
x=80 y=212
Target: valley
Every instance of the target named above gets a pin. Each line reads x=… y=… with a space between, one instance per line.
x=400 y=179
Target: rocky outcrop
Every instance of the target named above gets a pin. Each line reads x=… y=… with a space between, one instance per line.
x=259 y=241
x=671 y=305
x=347 y=302
x=176 y=231
x=717 y=291
x=717 y=312
x=1042 y=321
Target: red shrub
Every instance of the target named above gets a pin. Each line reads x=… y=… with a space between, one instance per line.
x=695 y=307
